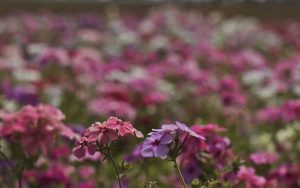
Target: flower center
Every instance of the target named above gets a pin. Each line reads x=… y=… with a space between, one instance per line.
x=156 y=143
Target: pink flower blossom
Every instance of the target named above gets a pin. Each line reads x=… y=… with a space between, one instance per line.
x=291 y=110
x=100 y=134
x=263 y=158
x=155 y=98
x=124 y=128
x=82 y=146
x=34 y=128
x=247 y=174
x=107 y=106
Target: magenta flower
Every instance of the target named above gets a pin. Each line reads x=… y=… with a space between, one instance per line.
x=286 y=175
x=291 y=110
x=247 y=174
x=56 y=174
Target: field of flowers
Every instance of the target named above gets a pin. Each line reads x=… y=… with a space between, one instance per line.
x=171 y=99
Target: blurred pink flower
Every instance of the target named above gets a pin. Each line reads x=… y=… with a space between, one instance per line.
x=34 y=128
x=107 y=106
x=155 y=98
x=263 y=158
x=269 y=114
x=247 y=174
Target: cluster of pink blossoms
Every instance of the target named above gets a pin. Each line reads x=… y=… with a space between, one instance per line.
x=100 y=134
x=287 y=112
x=34 y=128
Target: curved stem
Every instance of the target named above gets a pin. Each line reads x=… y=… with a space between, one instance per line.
x=115 y=166
x=179 y=173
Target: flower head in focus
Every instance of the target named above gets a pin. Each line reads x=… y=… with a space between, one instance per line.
x=170 y=137
x=157 y=145
x=101 y=134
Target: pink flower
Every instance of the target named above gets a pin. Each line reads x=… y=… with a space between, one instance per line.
x=155 y=98
x=208 y=129
x=263 y=158
x=291 y=110
x=53 y=55
x=230 y=99
x=228 y=83
x=82 y=146
x=286 y=175
x=59 y=152
x=10 y=124
x=55 y=175
x=107 y=106
x=34 y=128
x=124 y=128
x=252 y=180
x=269 y=114
x=86 y=171
x=216 y=146
x=100 y=134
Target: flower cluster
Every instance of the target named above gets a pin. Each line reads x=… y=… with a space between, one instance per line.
x=160 y=140
x=287 y=112
x=100 y=134
x=215 y=151
x=34 y=128
x=235 y=80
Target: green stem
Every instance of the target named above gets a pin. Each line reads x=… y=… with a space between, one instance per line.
x=20 y=175
x=179 y=173
x=115 y=166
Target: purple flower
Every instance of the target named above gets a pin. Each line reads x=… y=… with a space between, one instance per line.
x=135 y=154
x=22 y=94
x=158 y=142
x=157 y=145
x=181 y=128
x=191 y=170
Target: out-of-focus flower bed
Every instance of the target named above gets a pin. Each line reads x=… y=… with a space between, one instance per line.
x=235 y=82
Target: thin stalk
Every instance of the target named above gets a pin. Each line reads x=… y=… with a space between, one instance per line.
x=179 y=173
x=20 y=175
x=115 y=166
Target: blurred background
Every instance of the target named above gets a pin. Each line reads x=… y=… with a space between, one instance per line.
x=271 y=10
x=228 y=68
